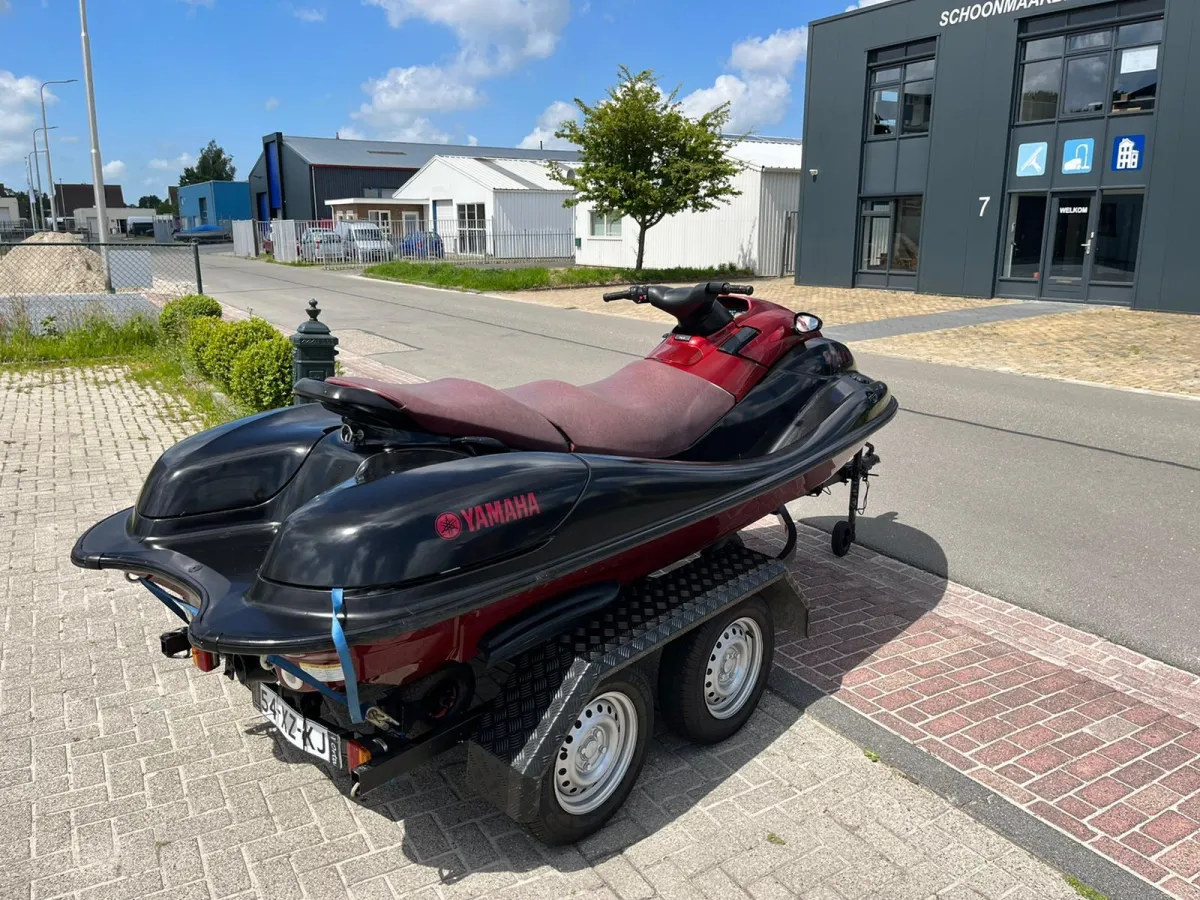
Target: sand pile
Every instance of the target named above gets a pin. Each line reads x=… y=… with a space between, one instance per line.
x=33 y=269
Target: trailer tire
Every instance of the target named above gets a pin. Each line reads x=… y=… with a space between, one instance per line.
x=627 y=701
x=691 y=696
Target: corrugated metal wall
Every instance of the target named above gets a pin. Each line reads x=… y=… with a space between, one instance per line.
x=533 y=225
x=335 y=183
x=780 y=195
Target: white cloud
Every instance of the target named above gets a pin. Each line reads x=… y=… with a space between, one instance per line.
x=761 y=90
x=548 y=123
x=271 y=103
x=183 y=159
x=495 y=37
x=18 y=100
x=5 y=7
x=69 y=139
x=401 y=99
x=350 y=133
x=309 y=15
x=864 y=3
x=113 y=169
x=773 y=55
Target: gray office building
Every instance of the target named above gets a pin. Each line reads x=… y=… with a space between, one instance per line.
x=1008 y=148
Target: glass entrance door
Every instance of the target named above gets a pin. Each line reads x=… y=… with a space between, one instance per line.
x=1069 y=251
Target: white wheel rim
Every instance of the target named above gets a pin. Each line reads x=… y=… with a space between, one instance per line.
x=733 y=668
x=595 y=756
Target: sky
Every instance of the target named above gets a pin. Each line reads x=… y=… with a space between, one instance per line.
x=172 y=74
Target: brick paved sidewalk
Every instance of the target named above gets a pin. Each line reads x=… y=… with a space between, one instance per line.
x=124 y=774
x=1102 y=345
x=1100 y=742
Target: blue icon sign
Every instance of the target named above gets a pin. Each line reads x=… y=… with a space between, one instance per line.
x=1078 y=156
x=1031 y=159
x=1129 y=153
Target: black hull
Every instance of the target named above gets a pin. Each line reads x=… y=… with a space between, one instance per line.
x=623 y=504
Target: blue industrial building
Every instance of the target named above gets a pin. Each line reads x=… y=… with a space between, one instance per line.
x=213 y=203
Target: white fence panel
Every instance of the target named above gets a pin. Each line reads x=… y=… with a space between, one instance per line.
x=284 y=243
x=243 y=238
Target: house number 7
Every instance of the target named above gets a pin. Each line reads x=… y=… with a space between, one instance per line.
x=984 y=201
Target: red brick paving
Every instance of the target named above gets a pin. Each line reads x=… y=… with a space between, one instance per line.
x=1092 y=738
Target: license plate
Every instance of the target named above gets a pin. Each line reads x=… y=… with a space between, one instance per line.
x=305 y=734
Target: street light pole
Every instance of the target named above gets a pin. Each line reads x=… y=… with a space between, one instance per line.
x=32 y=198
x=37 y=170
x=97 y=163
x=49 y=168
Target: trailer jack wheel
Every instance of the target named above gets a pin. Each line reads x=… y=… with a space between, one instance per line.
x=843 y=538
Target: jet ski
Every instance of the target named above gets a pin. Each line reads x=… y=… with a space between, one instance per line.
x=383 y=563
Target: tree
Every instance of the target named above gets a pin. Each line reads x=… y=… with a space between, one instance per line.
x=641 y=157
x=150 y=201
x=214 y=164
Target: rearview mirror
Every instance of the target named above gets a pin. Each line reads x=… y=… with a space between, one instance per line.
x=807 y=323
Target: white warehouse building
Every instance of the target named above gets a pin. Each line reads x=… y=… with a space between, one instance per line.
x=755 y=230
x=498 y=208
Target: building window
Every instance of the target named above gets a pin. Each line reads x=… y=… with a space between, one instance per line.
x=1026 y=228
x=203 y=210
x=1090 y=73
x=1118 y=233
x=891 y=236
x=900 y=88
x=605 y=225
x=472 y=228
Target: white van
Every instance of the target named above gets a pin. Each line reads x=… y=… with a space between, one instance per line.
x=365 y=241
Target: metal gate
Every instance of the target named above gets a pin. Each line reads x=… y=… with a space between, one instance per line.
x=789 y=244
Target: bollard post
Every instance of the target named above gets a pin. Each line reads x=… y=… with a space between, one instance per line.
x=313 y=348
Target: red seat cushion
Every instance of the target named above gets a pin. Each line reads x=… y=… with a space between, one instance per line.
x=461 y=408
x=647 y=409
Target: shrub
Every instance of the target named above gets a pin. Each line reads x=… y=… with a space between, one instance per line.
x=201 y=333
x=228 y=341
x=178 y=314
x=262 y=375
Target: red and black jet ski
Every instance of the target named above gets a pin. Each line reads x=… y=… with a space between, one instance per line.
x=380 y=540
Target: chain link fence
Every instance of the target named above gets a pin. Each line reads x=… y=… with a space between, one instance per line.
x=63 y=282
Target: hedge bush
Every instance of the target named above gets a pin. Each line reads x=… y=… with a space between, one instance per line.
x=178 y=314
x=200 y=334
x=228 y=341
x=261 y=377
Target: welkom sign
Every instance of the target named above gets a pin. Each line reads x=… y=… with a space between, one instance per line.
x=973 y=11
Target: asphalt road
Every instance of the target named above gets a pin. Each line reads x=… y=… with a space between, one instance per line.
x=1076 y=502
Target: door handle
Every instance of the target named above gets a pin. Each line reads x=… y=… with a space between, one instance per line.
x=1087 y=247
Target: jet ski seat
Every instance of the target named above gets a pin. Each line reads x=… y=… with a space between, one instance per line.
x=648 y=409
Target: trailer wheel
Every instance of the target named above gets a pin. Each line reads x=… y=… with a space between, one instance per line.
x=599 y=761
x=710 y=681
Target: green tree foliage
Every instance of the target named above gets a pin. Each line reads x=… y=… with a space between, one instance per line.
x=641 y=157
x=149 y=201
x=214 y=164
x=230 y=339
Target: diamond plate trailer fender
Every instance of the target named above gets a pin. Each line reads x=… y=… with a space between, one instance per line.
x=522 y=730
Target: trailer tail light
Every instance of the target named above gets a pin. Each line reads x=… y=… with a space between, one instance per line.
x=205 y=661
x=356 y=755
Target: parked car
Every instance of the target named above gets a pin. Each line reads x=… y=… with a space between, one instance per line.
x=322 y=245
x=365 y=241
x=421 y=245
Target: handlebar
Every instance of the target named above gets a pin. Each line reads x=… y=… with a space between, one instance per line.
x=640 y=293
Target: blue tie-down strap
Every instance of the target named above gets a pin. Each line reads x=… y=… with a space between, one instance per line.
x=350 y=698
x=347 y=661
x=170 y=601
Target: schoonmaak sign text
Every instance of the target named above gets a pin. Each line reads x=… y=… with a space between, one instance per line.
x=973 y=11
